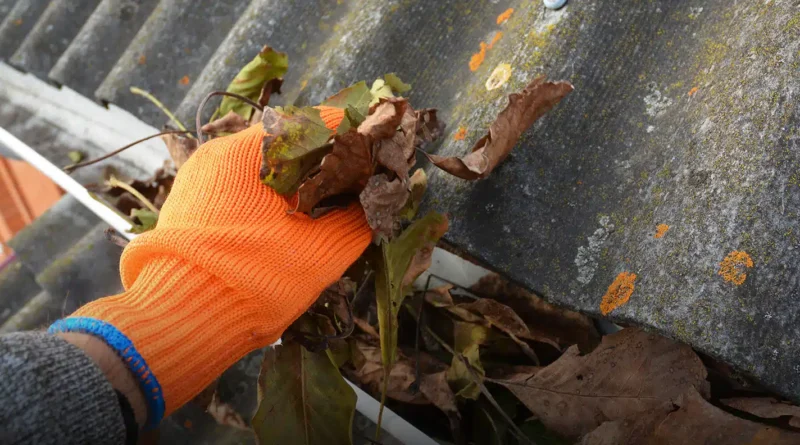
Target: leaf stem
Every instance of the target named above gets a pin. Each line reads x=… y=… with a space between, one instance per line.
x=219 y=93
x=477 y=380
x=71 y=168
x=114 y=182
x=156 y=102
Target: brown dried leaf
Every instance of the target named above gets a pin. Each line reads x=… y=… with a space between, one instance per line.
x=436 y=389
x=272 y=86
x=630 y=372
x=382 y=201
x=561 y=326
x=397 y=152
x=345 y=170
x=505 y=319
x=765 y=407
x=180 y=148
x=522 y=111
x=695 y=422
x=429 y=127
x=384 y=119
x=230 y=123
x=226 y=415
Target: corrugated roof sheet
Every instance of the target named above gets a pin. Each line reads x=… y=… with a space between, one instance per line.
x=683 y=115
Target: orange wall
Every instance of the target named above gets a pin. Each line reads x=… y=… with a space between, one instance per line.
x=25 y=194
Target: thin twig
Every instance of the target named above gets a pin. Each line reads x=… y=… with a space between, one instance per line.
x=114 y=236
x=71 y=168
x=114 y=182
x=219 y=93
x=156 y=102
x=478 y=381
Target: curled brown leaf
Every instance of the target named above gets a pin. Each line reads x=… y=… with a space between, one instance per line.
x=180 y=148
x=230 y=123
x=383 y=200
x=523 y=110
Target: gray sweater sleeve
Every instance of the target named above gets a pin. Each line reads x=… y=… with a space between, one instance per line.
x=52 y=393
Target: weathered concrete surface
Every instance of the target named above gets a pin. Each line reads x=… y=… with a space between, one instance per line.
x=682 y=115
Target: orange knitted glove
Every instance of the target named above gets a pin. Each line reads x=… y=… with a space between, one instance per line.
x=225 y=272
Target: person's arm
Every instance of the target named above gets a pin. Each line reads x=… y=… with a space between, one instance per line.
x=52 y=392
x=227 y=269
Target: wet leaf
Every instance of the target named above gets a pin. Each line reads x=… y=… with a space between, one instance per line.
x=230 y=123
x=766 y=408
x=75 y=156
x=391 y=272
x=296 y=142
x=345 y=170
x=225 y=414
x=302 y=399
x=250 y=81
x=546 y=322
x=630 y=372
x=369 y=372
x=180 y=148
x=147 y=220
x=436 y=389
x=523 y=110
x=505 y=319
x=382 y=201
x=696 y=421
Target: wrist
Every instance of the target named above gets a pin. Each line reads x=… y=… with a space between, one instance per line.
x=113 y=367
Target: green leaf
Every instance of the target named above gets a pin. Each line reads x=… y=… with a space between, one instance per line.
x=394 y=261
x=468 y=339
x=379 y=91
x=417 y=185
x=397 y=85
x=147 y=220
x=296 y=143
x=352 y=119
x=75 y=156
x=357 y=96
x=303 y=399
x=267 y=65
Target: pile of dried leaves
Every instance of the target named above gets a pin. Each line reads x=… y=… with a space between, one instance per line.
x=488 y=365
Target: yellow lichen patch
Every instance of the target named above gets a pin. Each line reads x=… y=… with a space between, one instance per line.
x=618 y=293
x=661 y=230
x=502 y=18
x=499 y=77
x=734 y=267
x=460 y=134
x=693 y=91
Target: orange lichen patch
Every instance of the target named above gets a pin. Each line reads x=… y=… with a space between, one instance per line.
x=18 y=22
x=187 y=424
x=460 y=134
x=661 y=230
x=142 y=59
x=693 y=90
x=618 y=293
x=734 y=267
x=477 y=58
x=495 y=39
x=505 y=15
x=184 y=80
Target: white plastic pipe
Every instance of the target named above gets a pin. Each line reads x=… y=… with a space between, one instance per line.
x=66 y=182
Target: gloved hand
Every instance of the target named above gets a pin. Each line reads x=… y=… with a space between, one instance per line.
x=225 y=272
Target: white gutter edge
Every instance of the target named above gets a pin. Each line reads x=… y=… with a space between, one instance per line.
x=66 y=182
x=392 y=423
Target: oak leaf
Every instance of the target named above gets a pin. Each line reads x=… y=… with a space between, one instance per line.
x=523 y=110
x=766 y=408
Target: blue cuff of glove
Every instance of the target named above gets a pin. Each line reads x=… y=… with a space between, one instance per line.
x=124 y=347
